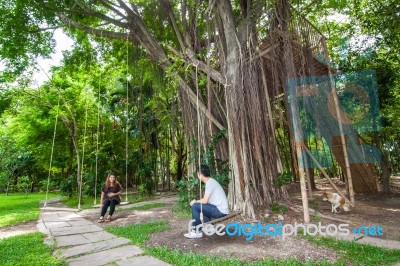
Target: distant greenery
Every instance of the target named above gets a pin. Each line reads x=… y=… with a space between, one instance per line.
x=27 y=249
x=360 y=254
x=138 y=233
x=19 y=208
x=146 y=206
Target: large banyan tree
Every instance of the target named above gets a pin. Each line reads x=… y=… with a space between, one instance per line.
x=212 y=50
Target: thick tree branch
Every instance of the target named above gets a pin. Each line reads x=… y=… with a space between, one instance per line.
x=192 y=60
x=111 y=7
x=94 y=13
x=168 y=9
x=95 y=31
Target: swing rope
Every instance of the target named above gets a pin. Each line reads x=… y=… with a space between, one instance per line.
x=127 y=117
x=97 y=142
x=52 y=151
x=198 y=143
x=83 y=156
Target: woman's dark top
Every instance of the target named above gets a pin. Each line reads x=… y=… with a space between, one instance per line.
x=115 y=189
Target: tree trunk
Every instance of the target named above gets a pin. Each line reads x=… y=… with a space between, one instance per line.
x=250 y=137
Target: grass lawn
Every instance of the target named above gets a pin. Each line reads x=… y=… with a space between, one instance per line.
x=27 y=249
x=16 y=208
x=357 y=253
x=138 y=233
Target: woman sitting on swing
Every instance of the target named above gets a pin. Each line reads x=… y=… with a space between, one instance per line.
x=110 y=196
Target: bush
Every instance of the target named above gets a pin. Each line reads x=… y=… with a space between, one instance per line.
x=188 y=190
x=284 y=178
x=68 y=186
x=146 y=188
x=24 y=184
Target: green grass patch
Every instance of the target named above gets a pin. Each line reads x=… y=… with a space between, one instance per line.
x=27 y=249
x=146 y=207
x=359 y=254
x=182 y=212
x=180 y=258
x=138 y=233
x=19 y=208
x=87 y=202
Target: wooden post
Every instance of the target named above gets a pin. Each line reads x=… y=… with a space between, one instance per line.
x=326 y=175
x=298 y=138
x=344 y=145
x=343 y=139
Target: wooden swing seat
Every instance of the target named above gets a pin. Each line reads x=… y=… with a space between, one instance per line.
x=226 y=217
x=121 y=203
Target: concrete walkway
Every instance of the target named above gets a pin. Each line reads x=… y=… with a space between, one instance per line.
x=82 y=242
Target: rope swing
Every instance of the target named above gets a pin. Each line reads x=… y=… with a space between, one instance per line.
x=97 y=142
x=52 y=151
x=83 y=157
x=128 y=78
x=198 y=143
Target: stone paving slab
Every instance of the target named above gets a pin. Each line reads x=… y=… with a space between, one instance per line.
x=73 y=240
x=106 y=256
x=99 y=236
x=64 y=231
x=94 y=247
x=80 y=222
x=57 y=224
x=57 y=209
x=54 y=217
x=141 y=260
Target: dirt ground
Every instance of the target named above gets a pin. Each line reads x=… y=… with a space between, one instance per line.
x=383 y=210
x=379 y=209
x=255 y=249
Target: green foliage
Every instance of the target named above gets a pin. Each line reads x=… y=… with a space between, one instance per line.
x=53 y=185
x=284 y=178
x=147 y=187
x=277 y=208
x=69 y=186
x=138 y=233
x=27 y=249
x=24 y=184
x=16 y=208
x=18 y=46
x=188 y=190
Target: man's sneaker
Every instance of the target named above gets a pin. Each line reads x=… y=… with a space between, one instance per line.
x=193 y=234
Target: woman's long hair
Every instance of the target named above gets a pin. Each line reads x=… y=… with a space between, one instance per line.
x=108 y=182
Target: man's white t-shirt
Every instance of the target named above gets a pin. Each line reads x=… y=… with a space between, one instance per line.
x=217 y=195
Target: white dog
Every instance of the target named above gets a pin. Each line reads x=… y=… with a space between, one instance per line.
x=337 y=201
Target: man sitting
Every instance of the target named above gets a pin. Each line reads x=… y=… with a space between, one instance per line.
x=214 y=204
